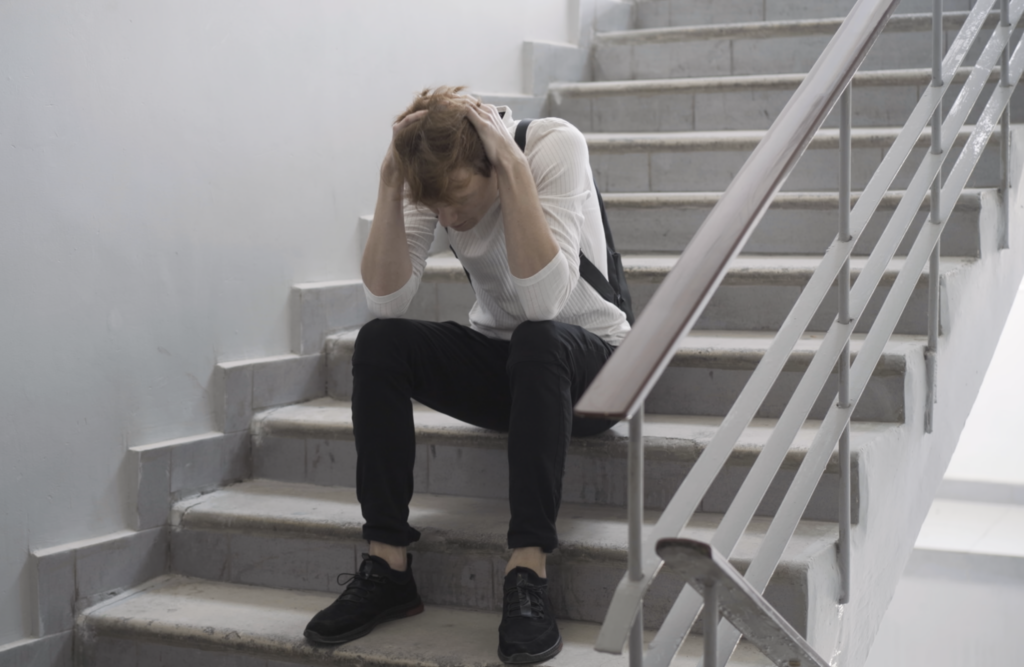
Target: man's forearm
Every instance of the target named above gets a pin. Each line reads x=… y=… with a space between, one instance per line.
x=386 y=266
x=528 y=240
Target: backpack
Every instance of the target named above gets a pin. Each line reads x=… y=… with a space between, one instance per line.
x=612 y=289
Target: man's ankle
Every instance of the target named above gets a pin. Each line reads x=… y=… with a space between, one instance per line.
x=532 y=558
x=395 y=557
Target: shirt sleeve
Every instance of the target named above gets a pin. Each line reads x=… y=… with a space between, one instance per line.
x=559 y=161
x=419 y=234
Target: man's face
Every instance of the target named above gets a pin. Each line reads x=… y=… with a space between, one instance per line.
x=471 y=202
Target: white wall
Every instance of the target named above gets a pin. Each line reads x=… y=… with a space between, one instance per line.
x=167 y=171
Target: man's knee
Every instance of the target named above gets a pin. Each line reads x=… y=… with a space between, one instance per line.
x=536 y=341
x=382 y=341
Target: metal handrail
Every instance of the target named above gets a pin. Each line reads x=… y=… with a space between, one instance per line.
x=676 y=306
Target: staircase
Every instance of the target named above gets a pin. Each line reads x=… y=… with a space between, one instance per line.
x=675 y=108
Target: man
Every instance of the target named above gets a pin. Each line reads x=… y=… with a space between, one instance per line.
x=538 y=335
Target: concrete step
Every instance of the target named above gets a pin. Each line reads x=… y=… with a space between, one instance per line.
x=313 y=443
x=757 y=293
x=882 y=98
x=708 y=161
x=669 y=13
x=300 y=536
x=764 y=47
x=710 y=369
x=183 y=621
x=799 y=223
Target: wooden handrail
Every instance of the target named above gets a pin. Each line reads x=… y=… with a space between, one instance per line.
x=631 y=372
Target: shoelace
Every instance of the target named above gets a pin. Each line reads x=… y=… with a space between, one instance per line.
x=525 y=599
x=360 y=585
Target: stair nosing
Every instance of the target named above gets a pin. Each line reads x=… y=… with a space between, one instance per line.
x=911 y=22
x=970 y=199
x=698 y=351
x=695 y=140
x=745 y=270
x=893 y=77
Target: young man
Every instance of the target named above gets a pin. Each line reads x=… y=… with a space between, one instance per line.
x=538 y=335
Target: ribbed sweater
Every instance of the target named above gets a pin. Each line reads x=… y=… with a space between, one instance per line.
x=558 y=158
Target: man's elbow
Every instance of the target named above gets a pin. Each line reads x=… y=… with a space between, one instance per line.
x=542 y=314
x=385 y=311
x=538 y=310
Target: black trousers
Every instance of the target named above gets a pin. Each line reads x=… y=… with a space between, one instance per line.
x=526 y=386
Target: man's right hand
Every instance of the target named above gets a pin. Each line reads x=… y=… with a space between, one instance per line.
x=388 y=169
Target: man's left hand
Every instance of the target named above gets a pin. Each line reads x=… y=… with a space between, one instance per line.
x=498 y=143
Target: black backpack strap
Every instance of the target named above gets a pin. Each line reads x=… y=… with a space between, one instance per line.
x=596 y=279
x=604 y=220
x=521 y=133
x=464 y=269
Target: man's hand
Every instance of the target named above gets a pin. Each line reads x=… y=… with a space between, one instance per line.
x=388 y=170
x=499 y=145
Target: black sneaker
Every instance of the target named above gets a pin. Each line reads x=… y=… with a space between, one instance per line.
x=528 y=632
x=375 y=594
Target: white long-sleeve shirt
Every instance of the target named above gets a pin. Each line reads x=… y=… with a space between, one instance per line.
x=558 y=158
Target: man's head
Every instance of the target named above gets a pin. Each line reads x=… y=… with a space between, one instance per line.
x=439 y=154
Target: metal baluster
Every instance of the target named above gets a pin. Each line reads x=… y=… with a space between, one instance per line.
x=711 y=625
x=845 y=167
x=1004 y=140
x=636 y=518
x=932 y=351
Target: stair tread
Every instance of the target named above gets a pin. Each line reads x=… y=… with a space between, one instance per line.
x=970 y=199
x=860 y=137
x=666 y=436
x=911 y=22
x=269 y=622
x=743 y=270
x=891 y=77
x=460 y=522
x=743 y=350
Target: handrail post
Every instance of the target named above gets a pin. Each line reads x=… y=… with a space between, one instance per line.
x=845 y=184
x=636 y=522
x=932 y=350
x=1004 y=139
x=711 y=624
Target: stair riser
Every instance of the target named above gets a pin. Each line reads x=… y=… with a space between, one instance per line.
x=765 y=308
x=712 y=170
x=725 y=56
x=757 y=307
x=781 y=231
x=103 y=651
x=481 y=471
x=669 y=13
x=749 y=109
x=710 y=391
x=579 y=589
